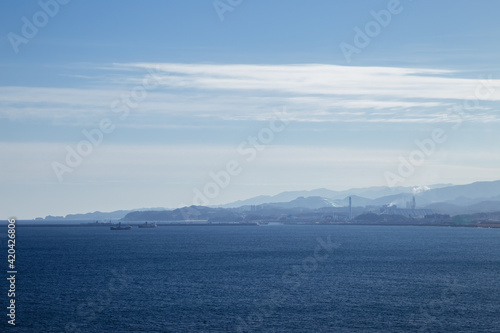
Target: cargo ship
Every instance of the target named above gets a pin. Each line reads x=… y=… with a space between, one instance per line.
x=119 y=227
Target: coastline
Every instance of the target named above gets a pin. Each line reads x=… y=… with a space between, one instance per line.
x=26 y=223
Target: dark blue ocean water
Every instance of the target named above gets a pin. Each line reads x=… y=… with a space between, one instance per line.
x=257 y=279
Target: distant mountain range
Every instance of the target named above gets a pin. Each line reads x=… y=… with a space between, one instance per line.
x=478 y=197
x=365 y=193
x=443 y=198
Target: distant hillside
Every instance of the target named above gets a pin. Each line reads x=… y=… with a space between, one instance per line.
x=452 y=195
x=115 y=215
x=368 y=193
x=98 y=215
x=485 y=207
x=282 y=197
x=241 y=214
x=466 y=193
x=356 y=201
x=444 y=208
x=314 y=210
x=480 y=207
x=301 y=202
x=444 y=199
x=186 y=213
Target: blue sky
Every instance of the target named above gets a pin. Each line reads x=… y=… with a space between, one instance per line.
x=204 y=87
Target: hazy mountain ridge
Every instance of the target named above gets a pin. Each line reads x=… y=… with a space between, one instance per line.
x=373 y=193
x=480 y=207
x=445 y=199
x=281 y=197
x=186 y=213
x=97 y=215
x=469 y=194
x=477 y=190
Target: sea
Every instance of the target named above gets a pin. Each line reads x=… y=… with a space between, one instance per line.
x=274 y=278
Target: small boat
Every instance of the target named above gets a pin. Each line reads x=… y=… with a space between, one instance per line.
x=147 y=225
x=119 y=227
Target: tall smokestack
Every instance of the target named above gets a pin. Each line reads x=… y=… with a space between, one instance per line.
x=413 y=203
x=350 y=209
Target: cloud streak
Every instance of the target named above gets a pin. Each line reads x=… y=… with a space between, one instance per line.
x=312 y=93
x=388 y=82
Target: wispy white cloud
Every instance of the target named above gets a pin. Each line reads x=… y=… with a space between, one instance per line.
x=311 y=92
x=390 y=82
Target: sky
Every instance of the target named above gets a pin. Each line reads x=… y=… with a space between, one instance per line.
x=108 y=105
